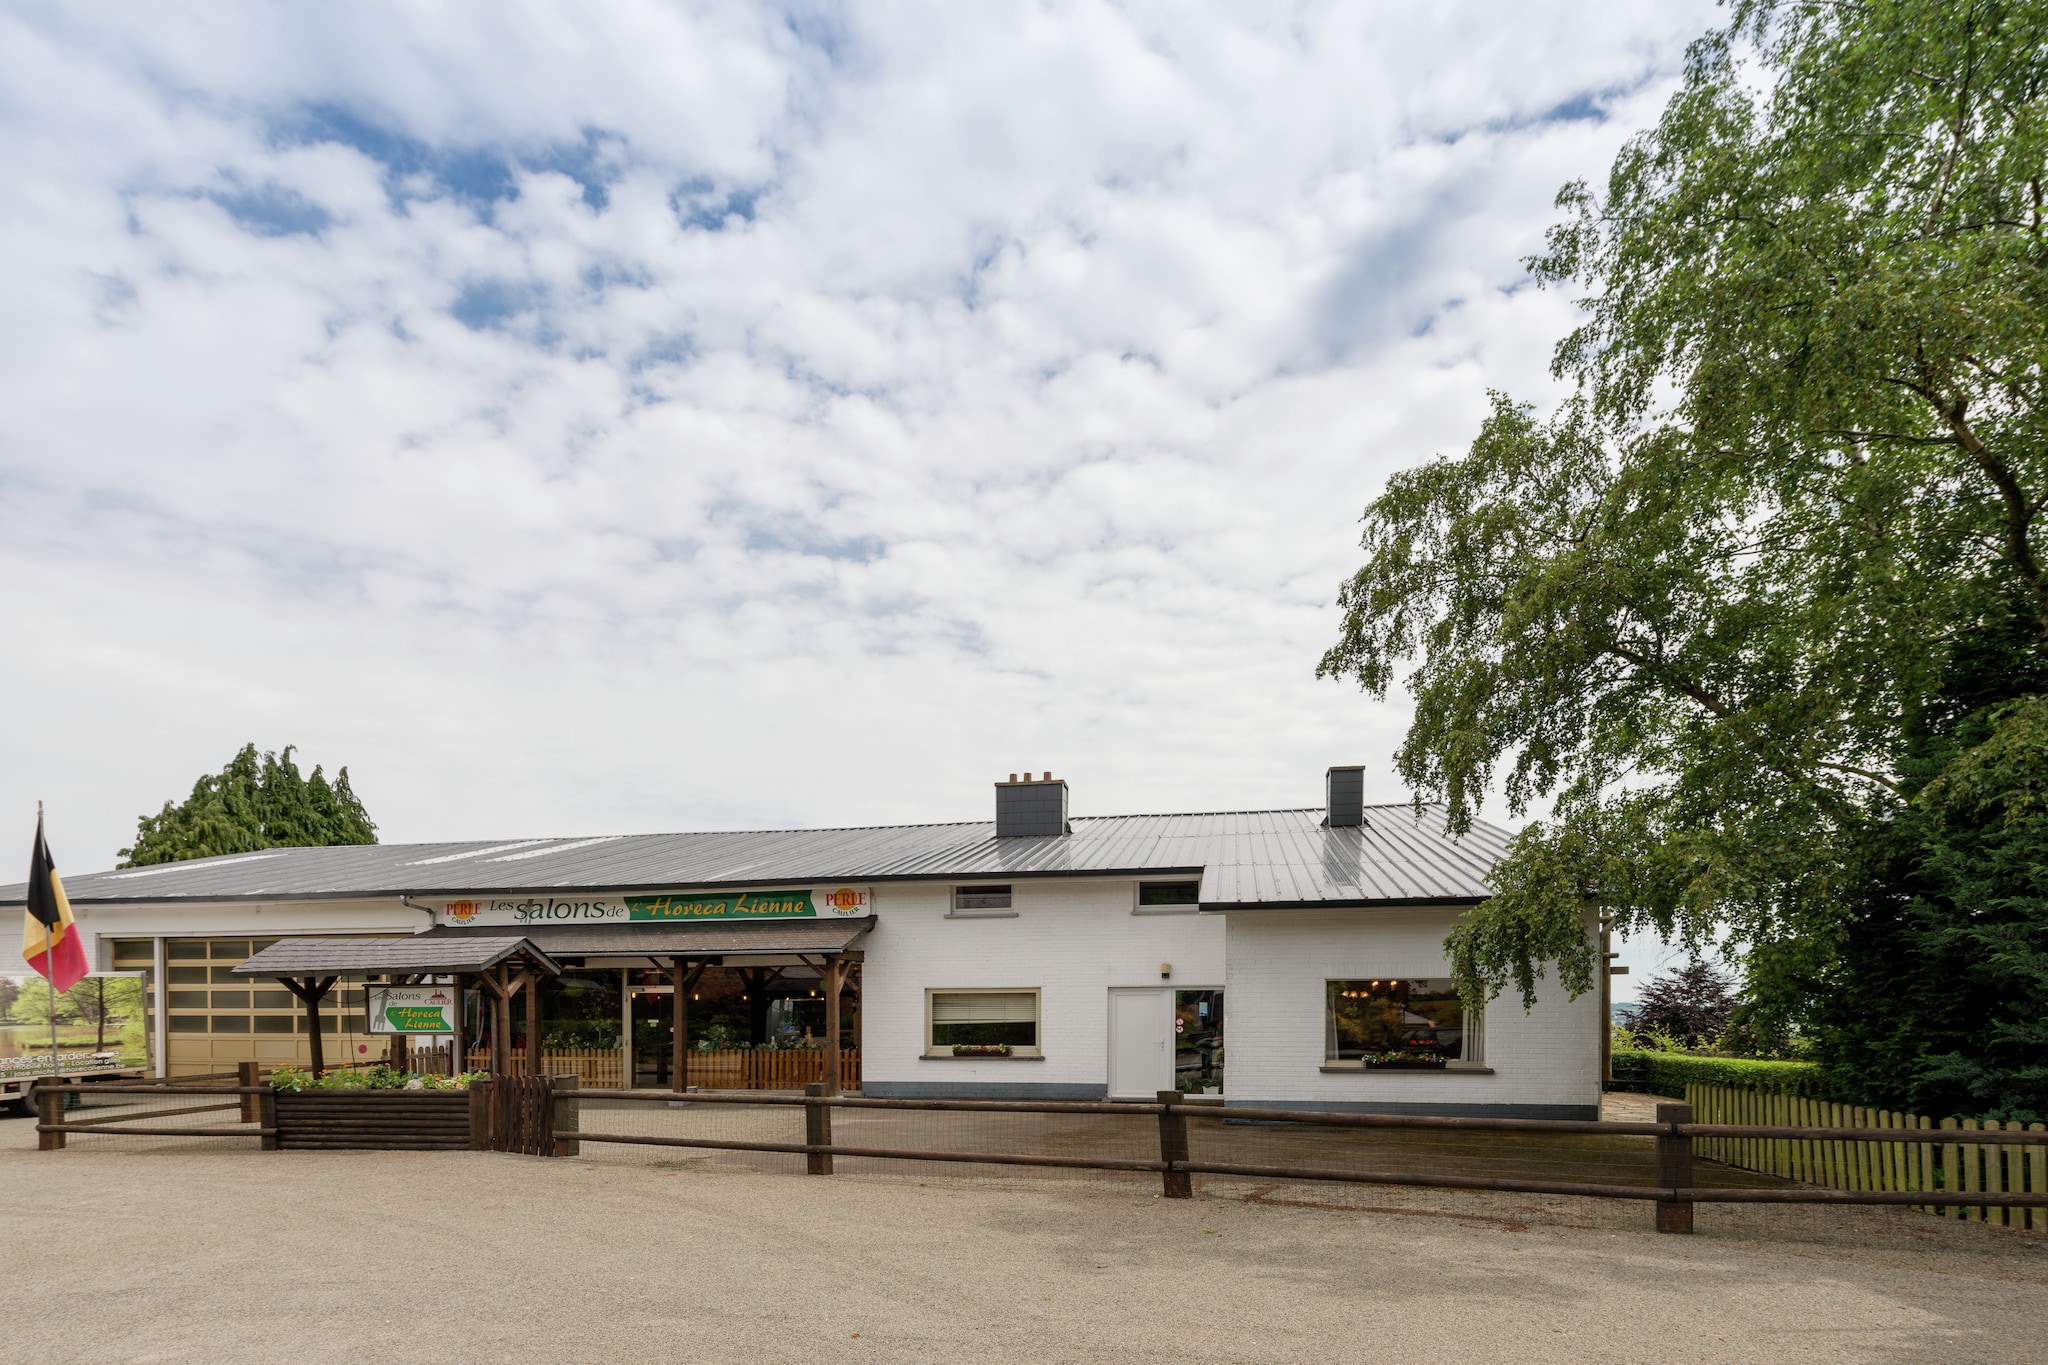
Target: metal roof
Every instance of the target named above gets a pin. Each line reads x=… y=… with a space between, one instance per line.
x=1269 y=858
x=776 y=939
x=419 y=954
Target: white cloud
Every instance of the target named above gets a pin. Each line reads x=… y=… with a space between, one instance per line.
x=596 y=419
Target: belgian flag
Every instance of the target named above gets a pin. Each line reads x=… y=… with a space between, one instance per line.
x=49 y=938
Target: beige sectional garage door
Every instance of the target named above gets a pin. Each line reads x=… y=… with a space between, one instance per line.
x=218 y=1019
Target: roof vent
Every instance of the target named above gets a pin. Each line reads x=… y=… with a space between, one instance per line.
x=1344 y=790
x=1029 y=808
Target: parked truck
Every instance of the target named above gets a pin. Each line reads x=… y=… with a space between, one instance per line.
x=17 y=1082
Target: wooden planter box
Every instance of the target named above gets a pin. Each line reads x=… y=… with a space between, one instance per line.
x=373 y=1120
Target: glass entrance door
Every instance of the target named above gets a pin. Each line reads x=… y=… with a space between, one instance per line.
x=653 y=1037
x=1198 y=1042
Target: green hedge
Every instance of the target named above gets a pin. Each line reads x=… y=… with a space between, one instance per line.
x=1668 y=1073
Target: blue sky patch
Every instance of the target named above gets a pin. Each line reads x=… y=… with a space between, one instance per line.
x=480 y=176
x=271 y=210
x=489 y=303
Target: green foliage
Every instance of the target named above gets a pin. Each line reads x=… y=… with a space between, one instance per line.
x=1940 y=999
x=255 y=802
x=1705 y=602
x=565 y=1034
x=31 y=1004
x=1668 y=1073
x=369 y=1078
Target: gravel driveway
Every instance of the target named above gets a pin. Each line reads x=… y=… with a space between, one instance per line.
x=222 y=1256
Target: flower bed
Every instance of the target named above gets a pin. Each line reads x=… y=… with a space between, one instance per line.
x=292 y=1079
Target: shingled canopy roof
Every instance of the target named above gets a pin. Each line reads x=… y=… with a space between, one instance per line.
x=418 y=955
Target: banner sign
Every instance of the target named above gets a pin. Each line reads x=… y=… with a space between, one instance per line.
x=845 y=902
x=411 y=1009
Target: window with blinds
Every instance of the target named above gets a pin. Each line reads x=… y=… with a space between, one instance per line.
x=982 y=897
x=983 y=1023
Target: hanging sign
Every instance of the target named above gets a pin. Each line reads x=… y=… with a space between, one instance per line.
x=844 y=902
x=411 y=1009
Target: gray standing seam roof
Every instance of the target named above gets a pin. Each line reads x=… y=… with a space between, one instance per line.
x=418 y=953
x=1245 y=859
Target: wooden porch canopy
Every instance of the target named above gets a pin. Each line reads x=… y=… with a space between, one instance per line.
x=685 y=949
x=503 y=963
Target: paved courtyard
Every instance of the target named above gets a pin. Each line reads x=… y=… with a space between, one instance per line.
x=162 y=1253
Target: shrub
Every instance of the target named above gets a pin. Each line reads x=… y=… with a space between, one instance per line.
x=1668 y=1073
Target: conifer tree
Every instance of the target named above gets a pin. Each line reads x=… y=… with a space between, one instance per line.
x=257 y=801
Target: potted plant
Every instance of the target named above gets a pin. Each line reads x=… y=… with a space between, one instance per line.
x=1403 y=1061
x=981 y=1049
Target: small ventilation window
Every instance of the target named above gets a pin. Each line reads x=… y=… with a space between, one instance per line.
x=981 y=898
x=1168 y=893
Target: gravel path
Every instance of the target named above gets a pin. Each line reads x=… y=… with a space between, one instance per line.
x=176 y=1255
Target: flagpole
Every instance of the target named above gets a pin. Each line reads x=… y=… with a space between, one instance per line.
x=51 y=981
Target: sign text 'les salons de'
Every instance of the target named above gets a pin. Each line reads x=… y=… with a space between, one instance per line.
x=845 y=902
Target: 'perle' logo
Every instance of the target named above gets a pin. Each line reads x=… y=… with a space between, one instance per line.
x=846 y=902
x=462 y=912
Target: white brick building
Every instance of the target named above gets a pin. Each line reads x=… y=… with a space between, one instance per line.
x=1290 y=958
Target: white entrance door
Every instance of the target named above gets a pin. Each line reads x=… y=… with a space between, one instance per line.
x=1140 y=1042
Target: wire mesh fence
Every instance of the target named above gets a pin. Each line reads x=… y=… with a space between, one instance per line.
x=142 y=1118
x=655 y=1131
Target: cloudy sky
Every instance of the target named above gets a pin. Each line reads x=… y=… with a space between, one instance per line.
x=650 y=416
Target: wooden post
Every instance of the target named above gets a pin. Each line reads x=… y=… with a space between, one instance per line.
x=533 y=1040
x=1173 y=1145
x=458 y=1045
x=817 y=1129
x=266 y=1117
x=1674 y=1169
x=563 y=1116
x=49 y=1113
x=627 y=1079
x=858 y=971
x=245 y=1075
x=501 y=1028
x=833 y=968
x=679 y=1027
x=480 y=1116
x=1606 y=1003
x=311 y=991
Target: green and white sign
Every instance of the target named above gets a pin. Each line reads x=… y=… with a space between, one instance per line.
x=844 y=902
x=411 y=1009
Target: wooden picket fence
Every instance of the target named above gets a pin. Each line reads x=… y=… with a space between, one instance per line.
x=594 y=1067
x=723 y=1069
x=1922 y=1162
x=766 y=1069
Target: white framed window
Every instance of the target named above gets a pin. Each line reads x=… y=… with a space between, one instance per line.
x=981 y=1022
x=1394 y=1022
x=983 y=898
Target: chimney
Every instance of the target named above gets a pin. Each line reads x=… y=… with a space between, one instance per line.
x=1344 y=790
x=1030 y=808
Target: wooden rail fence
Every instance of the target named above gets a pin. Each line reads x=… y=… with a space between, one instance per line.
x=1932 y=1161
x=1673 y=1193
x=1996 y=1173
